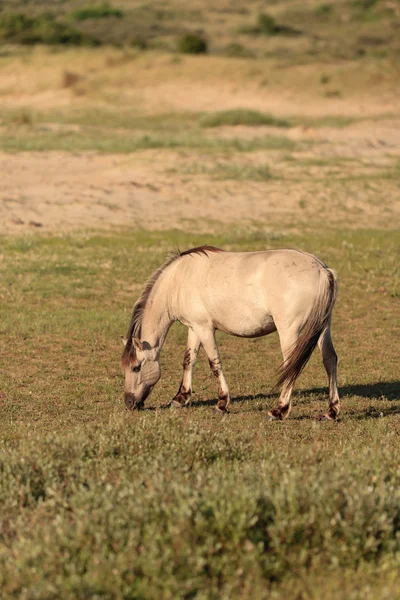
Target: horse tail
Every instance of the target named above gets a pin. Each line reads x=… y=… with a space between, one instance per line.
x=316 y=322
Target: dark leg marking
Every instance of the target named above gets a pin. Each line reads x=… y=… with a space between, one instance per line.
x=223 y=399
x=182 y=397
x=276 y=413
x=187 y=360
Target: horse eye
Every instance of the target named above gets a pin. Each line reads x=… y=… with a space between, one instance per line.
x=136 y=369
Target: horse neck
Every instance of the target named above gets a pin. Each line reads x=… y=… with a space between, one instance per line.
x=157 y=317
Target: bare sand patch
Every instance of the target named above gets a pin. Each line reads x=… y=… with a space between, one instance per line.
x=159 y=189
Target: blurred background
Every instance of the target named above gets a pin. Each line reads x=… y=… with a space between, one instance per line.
x=272 y=114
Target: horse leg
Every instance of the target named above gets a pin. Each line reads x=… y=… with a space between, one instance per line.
x=184 y=394
x=211 y=349
x=287 y=340
x=329 y=358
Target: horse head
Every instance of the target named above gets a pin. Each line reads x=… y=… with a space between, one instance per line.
x=142 y=371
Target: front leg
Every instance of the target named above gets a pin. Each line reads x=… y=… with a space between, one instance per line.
x=184 y=394
x=211 y=349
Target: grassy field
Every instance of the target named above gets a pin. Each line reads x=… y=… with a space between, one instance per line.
x=98 y=502
x=115 y=151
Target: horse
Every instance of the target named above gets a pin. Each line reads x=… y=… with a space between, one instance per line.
x=246 y=294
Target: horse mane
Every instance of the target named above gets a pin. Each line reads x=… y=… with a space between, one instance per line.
x=135 y=326
x=200 y=250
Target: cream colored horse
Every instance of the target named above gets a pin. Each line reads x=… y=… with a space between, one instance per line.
x=247 y=294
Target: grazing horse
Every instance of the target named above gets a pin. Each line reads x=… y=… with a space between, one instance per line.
x=247 y=294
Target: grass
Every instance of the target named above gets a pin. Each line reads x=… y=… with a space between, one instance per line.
x=241 y=117
x=97 y=502
x=103 y=11
x=44 y=139
x=227 y=171
x=186 y=504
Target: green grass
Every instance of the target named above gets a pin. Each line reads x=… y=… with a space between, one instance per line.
x=98 y=502
x=240 y=116
x=38 y=139
x=102 y=11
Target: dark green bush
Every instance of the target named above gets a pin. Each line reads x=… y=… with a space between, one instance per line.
x=43 y=29
x=192 y=43
x=267 y=24
x=96 y=12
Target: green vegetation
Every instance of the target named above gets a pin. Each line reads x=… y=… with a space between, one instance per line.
x=326 y=31
x=44 y=29
x=102 y=140
x=96 y=501
x=240 y=116
x=267 y=25
x=191 y=43
x=103 y=11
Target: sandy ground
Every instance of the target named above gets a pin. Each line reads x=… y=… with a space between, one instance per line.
x=58 y=191
x=348 y=177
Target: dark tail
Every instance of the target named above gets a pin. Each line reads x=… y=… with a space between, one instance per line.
x=317 y=321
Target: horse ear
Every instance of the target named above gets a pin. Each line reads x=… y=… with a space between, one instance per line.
x=137 y=343
x=123 y=340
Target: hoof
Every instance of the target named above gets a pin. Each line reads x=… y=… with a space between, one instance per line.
x=328 y=417
x=222 y=410
x=275 y=415
x=176 y=404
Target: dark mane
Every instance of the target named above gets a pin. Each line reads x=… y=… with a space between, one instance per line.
x=135 y=326
x=201 y=250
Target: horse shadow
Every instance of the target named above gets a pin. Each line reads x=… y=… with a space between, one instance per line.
x=382 y=390
x=379 y=391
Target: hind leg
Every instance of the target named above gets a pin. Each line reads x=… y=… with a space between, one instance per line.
x=329 y=358
x=184 y=394
x=287 y=340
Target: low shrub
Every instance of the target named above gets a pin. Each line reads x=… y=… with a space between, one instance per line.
x=192 y=43
x=267 y=25
x=102 y=11
x=205 y=516
x=43 y=29
x=241 y=116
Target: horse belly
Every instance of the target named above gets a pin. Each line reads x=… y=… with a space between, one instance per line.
x=249 y=330
x=249 y=322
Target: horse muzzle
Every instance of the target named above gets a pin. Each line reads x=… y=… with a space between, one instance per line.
x=131 y=402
